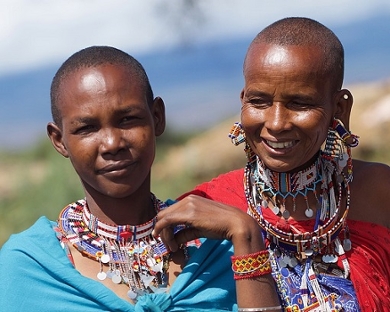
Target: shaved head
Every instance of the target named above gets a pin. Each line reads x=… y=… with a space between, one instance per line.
x=300 y=31
x=92 y=57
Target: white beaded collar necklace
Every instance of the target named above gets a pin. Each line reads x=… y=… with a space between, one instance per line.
x=118 y=232
x=127 y=253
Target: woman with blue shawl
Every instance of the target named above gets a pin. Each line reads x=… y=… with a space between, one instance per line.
x=103 y=253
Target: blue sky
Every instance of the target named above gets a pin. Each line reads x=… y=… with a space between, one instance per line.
x=193 y=57
x=38 y=32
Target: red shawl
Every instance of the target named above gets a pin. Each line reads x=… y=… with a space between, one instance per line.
x=369 y=258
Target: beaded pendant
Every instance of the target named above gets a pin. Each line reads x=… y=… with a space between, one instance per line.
x=127 y=253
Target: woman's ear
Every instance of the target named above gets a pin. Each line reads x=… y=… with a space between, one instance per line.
x=344 y=102
x=242 y=95
x=55 y=136
x=158 y=113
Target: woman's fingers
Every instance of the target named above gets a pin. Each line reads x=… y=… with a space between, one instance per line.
x=168 y=237
x=201 y=218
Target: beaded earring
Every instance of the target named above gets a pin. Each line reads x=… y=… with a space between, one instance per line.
x=338 y=146
x=338 y=139
x=237 y=134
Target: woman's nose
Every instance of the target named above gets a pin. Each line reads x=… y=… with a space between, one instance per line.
x=277 y=118
x=112 y=141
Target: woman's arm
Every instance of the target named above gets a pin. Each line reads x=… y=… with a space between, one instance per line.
x=206 y=218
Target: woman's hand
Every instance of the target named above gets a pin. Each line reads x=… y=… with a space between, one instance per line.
x=206 y=218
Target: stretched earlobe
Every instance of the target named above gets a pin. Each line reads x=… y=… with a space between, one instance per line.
x=55 y=136
x=344 y=102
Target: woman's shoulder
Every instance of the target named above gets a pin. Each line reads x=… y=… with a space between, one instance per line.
x=37 y=233
x=370 y=192
x=359 y=165
x=369 y=174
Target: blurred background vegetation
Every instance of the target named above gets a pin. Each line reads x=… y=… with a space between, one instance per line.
x=38 y=181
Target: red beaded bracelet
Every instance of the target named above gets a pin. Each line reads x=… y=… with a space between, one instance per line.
x=252 y=265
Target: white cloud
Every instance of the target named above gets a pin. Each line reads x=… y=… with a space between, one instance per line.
x=33 y=32
x=45 y=31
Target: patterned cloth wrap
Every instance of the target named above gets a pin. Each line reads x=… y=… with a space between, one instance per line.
x=369 y=258
x=338 y=289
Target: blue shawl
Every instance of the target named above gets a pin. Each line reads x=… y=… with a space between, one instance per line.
x=36 y=275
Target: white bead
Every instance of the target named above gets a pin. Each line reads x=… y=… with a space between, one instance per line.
x=116 y=279
x=308 y=252
x=105 y=258
x=131 y=294
x=309 y=212
x=150 y=262
x=347 y=244
x=101 y=276
x=275 y=210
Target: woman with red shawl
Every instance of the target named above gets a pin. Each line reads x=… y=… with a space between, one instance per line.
x=325 y=217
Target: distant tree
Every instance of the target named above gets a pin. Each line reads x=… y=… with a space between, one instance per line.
x=185 y=17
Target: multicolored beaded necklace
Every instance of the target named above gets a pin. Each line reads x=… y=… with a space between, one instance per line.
x=300 y=258
x=131 y=253
x=285 y=236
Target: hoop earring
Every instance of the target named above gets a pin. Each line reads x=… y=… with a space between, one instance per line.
x=338 y=139
x=345 y=135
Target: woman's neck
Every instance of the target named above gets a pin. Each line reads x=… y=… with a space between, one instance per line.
x=132 y=210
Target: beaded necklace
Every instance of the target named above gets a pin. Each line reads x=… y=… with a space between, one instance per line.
x=314 y=251
x=131 y=254
x=287 y=237
x=303 y=261
x=286 y=185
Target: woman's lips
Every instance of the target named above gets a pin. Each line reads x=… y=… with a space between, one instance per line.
x=115 y=167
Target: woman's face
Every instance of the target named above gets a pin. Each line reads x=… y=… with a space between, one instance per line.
x=108 y=129
x=287 y=104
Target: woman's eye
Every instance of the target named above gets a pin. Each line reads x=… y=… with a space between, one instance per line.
x=85 y=129
x=301 y=105
x=258 y=102
x=128 y=119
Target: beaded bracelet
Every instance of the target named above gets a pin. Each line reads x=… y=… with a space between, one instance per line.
x=252 y=265
x=259 y=309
